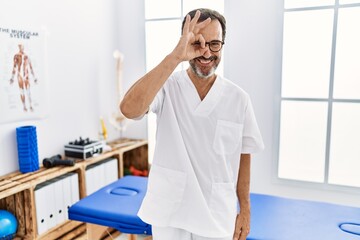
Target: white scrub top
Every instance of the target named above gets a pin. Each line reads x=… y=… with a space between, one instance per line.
x=192 y=181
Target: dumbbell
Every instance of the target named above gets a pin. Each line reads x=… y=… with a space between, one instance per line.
x=57 y=161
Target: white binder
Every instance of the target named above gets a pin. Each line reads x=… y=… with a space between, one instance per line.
x=41 y=205
x=66 y=182
x=100 y=176
x=51 y=204
x=111 y=171
x=74 y=179
x=60 y=210
x=45 y=206
x=89 y=180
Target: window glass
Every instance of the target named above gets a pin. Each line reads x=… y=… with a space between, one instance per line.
x=162 y=9
x=348 y=1
x=161 y=39
x=302 y=140
x=307 y=3
x=307 y=53
x=345 y=150
x=347 y=64
x=307 y=74
x=212 y=4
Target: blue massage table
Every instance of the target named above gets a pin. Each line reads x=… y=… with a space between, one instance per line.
x=278 y=218
x=273 y=218
x=116 y=206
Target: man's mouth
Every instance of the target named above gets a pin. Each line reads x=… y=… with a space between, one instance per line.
x=203 y=60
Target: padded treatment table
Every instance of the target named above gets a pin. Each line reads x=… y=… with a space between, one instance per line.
x=115 y=205
x=273 y=218
x=277 y=218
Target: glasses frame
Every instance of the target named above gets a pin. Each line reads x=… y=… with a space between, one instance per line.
x=197 y=43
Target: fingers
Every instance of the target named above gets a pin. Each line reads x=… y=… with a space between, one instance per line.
x=242 y=227
x=241 y=234
x=194 y=21
x=200 y=38
x=186 y=25
x=237 y=234
x=191 y=44
x=192 y=25
x=203 y=23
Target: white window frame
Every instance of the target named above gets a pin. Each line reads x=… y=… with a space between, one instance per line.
x=325 y=185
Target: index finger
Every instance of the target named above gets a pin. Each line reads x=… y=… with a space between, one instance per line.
x=194 y=21
x=203 y=24
x=186 y=25
x=237 y=233
x=243 y=234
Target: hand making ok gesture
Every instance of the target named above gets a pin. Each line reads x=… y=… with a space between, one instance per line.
x=185 y=50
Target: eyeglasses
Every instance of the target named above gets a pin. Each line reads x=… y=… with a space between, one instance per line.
x=214 y=45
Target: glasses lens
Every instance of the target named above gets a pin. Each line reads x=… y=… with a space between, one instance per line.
x=215 y=46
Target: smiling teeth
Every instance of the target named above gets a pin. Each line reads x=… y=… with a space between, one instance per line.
x=204 y=61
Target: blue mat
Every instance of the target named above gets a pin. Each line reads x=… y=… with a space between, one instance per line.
x=115 y=205
x=277 y=218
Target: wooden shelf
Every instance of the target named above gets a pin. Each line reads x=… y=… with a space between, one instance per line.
x=17 y=189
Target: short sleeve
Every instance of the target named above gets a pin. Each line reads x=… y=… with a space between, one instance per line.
x=157 y=103
x=252 y=140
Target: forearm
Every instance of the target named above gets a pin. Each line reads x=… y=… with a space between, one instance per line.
x=138 y=98
x=242 y=224
x=243 y=184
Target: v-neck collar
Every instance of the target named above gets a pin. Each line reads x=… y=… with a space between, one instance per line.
x=203 y=107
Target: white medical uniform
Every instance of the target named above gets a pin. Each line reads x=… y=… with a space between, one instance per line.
x=192 y=181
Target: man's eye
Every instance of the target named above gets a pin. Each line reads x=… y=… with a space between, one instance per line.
x=215 y=44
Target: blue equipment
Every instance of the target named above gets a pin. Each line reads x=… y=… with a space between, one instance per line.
x=115 y=205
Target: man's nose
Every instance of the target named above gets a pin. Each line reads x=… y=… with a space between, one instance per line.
x=207 y=53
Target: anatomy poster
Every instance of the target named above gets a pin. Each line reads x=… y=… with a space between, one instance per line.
x=22 y=74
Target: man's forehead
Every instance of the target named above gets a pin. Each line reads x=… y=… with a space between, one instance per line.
x=212 y=31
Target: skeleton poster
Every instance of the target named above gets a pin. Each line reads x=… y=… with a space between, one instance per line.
x=22 y=74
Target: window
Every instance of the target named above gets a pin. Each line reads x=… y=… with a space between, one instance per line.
x=163 y=29
x=320 y=92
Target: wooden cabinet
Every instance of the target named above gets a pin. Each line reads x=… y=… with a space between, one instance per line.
x=17 y=190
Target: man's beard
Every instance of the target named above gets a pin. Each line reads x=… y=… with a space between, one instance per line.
x=199 y=72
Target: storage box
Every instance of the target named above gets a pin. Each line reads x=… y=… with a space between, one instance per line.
x=83 y=151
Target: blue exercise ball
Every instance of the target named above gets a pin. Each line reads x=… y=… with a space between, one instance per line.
x=8 y=224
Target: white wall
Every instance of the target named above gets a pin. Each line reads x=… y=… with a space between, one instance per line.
x=82 y=36
x=254 y=38
x=131 y=41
